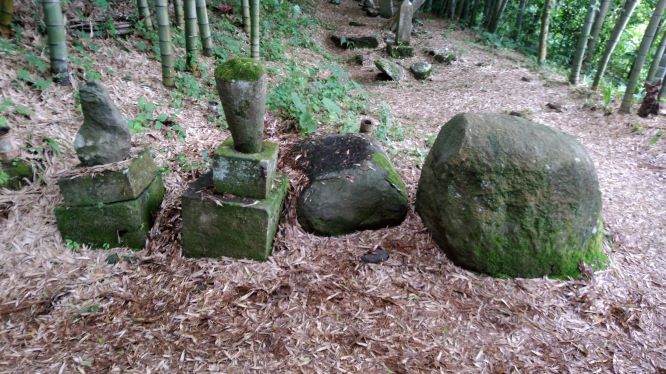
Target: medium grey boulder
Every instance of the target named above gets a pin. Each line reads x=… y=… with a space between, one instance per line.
x=508 y=197
x=421 y=70
x=392 y=70
x=353 y=186
x=104 y=136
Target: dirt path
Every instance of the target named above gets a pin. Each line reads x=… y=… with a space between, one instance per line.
x=314 y=307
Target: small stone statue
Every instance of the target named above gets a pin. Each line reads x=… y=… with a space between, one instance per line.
x=104 y=136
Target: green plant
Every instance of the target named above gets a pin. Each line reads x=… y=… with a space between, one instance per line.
x=302 y=95
x=143 y=117
x=4 y=178
x=656 y=137
x=72 y=245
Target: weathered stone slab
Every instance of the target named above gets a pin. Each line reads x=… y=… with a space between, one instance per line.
x=399 y=50
x=104 y=136
x=404 y=32
x=124 y=183
x=386 y=8
x=244 y=174
x=124 y=223
x=392 y=70
x=218 y=225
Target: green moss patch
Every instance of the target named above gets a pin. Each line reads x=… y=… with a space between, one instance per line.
x=239 y=68
x=392 y=176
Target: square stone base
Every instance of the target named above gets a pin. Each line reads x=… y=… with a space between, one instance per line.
x=244 y=174
x=124 y=183
x=399 y=50
x=218 y=225
x=123 y=223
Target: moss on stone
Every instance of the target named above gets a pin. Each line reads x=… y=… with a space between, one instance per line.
x=239 y=68
x=391 y=174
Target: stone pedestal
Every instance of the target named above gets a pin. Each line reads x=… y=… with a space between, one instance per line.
x=244 y=174
x=399 y=50
x=217 y=225
x=113 y=207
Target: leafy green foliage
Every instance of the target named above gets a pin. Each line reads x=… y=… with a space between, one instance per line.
x=303 y=95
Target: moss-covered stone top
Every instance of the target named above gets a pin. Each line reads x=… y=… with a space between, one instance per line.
x=239 y=68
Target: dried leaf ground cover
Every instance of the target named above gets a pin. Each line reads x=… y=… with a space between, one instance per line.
x=314 y=307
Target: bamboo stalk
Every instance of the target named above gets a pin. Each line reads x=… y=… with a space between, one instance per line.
x=55 y=27
x=144 y=14
x=6 y=14
x=166 y=53
x=245 y=5
x=204 y=28
x=191 y=36
x=254 y=30
x=178 y=13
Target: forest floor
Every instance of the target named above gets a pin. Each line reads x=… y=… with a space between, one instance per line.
x=314 y=307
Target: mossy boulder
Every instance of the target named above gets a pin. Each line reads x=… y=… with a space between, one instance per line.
x=421 y=70
x=353 y=186
x=508 y=197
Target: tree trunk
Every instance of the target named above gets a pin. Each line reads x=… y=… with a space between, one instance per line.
x=620 y=24
x=191 y=36
x=6 y=14
x=497 y=15
x=660 y=72
x=166 y=53
x=452 y=9
x=204 y=28
x=594 y=34
x=519 y=20
x=648 y=38
x=543 y=38
x=179 y=14
x=55 y=27
x=254 y=30
x=582 y=43
x=459 y=8
x=245 y=5
x=657 y=60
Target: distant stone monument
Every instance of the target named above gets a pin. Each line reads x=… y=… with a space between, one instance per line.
x=404 y=32
x=399 y=47
x=386 y=8
x=234 y=210
x=110 y=200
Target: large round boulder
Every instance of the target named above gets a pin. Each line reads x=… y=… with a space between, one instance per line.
x=509 y=197
x=353 y=186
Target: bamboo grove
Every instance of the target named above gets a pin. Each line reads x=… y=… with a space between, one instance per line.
x=187 y=16
x=604 y=43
